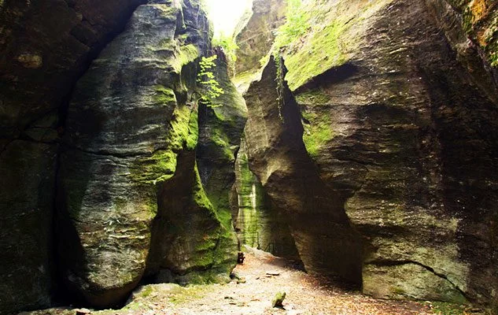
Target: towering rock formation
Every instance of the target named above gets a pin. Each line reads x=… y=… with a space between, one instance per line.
x=259 y=224
x=130 y=199
x=129 y=159
x=256 y=38
x=45 y=45
x=374 y=161
x=400 y=128
x=326 y=242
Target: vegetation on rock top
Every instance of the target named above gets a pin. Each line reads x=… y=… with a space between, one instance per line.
x=320 y=35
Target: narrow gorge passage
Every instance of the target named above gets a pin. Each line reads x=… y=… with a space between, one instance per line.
x=348 y=150
x=260 y=278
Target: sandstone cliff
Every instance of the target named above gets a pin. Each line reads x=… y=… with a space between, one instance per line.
x=398 y=118
x=139 y=188
x=369 y=152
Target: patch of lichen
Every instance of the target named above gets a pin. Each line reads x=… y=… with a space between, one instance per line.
x=184 y=55
x=317 y=130
x=480 y=22
x=313 y=97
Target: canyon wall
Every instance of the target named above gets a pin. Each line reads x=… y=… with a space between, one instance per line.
x=398 y=110
x=40 y=60
x=121 y=162
x=369 y=152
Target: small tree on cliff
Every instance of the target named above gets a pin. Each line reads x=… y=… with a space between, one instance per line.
x=211 y=89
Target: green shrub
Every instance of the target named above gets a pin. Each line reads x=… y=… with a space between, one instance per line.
x=210 y=87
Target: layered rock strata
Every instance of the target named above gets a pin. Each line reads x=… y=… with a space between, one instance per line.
x=398 y=114
x=398 y=126
x=132 y=202
x=45 y=46
x=326 y=243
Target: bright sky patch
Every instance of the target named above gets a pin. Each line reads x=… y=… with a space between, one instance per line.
x=226 y=14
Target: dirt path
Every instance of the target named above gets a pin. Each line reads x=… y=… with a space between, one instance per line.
x=253 y=294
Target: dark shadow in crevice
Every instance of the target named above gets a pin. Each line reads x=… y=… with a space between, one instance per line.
x=329 y=77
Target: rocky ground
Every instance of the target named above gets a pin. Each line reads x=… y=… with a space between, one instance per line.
x=257 y=282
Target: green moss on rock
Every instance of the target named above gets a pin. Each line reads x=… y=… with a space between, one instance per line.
x=184 y=55
x=164 y=96
x=317 y=130
x=334 y=33
x=313 y=97
x=184 y=130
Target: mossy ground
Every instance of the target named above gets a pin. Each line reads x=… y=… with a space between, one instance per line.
x=442 y=308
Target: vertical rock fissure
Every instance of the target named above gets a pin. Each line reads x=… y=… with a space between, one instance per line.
x=326 y=242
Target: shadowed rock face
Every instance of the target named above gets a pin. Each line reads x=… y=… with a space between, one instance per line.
x=258 y=223
x=404 y=132
x=326 y=242
x=45 y=45
x=200 y=243
x=256 y=38
x=27 y=178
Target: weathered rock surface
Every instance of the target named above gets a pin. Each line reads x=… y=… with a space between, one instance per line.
x=129 y=159
x=471 y=29
x=221 y=127
x=381 y=168
x=326 y=242
x=257 y=222
x=256 y=38
x=478 y=20
x=45 y=45
x=27 y=195
x=402 y=134
x=201 y=248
